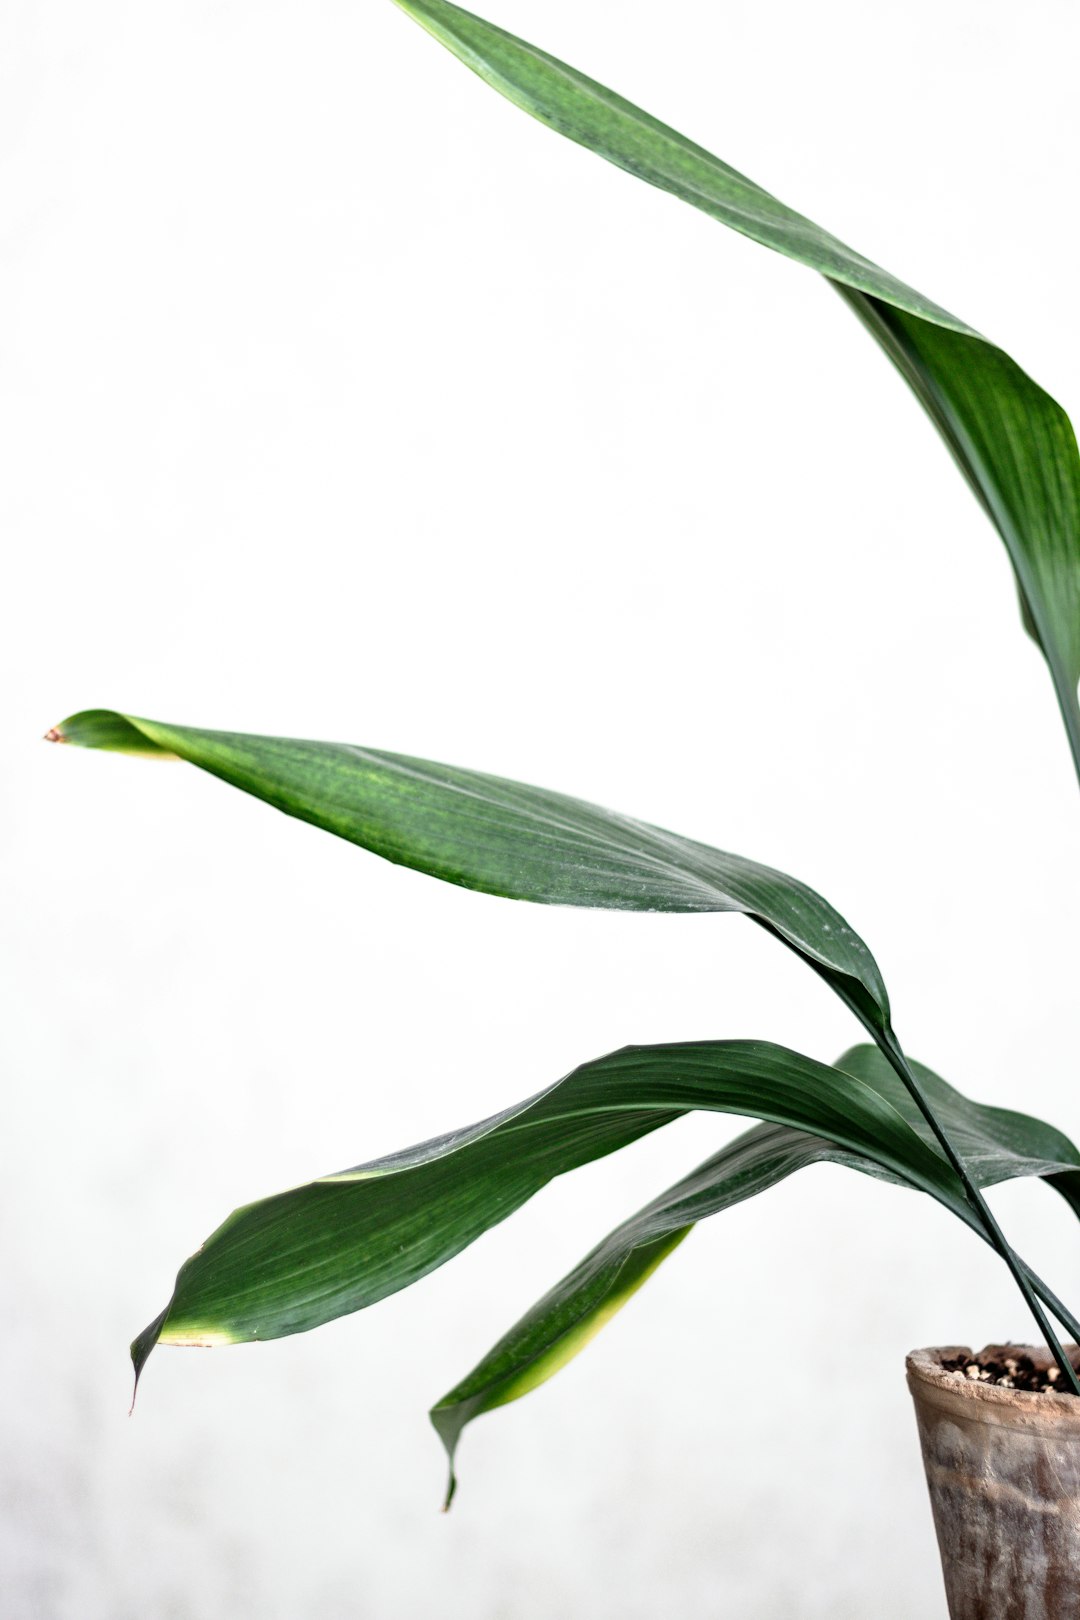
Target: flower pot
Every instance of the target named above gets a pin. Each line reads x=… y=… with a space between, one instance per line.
x=1003 y=1467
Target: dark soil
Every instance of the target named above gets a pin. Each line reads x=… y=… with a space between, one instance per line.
x=1009 y=1366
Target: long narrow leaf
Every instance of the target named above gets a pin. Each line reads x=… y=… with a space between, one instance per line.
x=292 y=1262
x=504 y=837
x=997 y=1144
x=1013 y=442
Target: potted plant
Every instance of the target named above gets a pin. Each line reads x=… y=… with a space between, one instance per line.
x=299 y=1259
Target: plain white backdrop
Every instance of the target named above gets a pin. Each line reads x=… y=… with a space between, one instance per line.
x=340 y=399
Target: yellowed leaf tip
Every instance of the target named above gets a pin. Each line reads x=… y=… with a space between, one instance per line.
x=198 y=1338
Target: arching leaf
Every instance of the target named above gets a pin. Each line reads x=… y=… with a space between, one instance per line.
x=997 y=1145
x=1013 y=442
x=289 y=1263
x=505 y=838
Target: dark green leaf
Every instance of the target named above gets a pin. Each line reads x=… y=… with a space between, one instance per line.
x=997 y=1145
x=1014 y=444
x=291 y=1262
x=529 y=844
x=523 y=842
x=505 y=838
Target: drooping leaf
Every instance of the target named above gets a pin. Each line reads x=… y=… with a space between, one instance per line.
x=291 y=1262
x=1013 y=442
x=505 y=838
x=530 y=844
x=997 y=1145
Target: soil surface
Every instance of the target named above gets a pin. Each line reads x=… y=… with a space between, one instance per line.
x=1010 y=1366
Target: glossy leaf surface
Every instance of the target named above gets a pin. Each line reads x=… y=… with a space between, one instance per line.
x=505 y=838
x=997 y=1145
x=289 y=1263
x=1013 y=442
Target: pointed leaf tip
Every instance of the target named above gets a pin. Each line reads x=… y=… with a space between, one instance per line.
x=54 y=734
x=505 y=838
x=141 y=1348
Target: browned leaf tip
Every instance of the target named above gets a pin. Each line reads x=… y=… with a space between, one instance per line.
x=52 y=735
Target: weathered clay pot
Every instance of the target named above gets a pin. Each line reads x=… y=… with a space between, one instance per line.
x=1003 y=1469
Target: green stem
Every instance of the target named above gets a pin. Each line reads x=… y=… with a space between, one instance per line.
x=1026 y=1280
x=1048 y=1297
x=891 y=1048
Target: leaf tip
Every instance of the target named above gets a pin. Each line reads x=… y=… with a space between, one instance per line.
x=54 y=734
x=448 y=1429
x=140 y=1351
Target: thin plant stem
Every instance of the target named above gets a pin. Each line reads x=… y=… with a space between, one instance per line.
x=892 y=1050
x=1050 y=1299
x=1026 y=1280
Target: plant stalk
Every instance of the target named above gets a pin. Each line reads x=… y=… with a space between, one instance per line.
x=1050 y=1299
x=892 y=1050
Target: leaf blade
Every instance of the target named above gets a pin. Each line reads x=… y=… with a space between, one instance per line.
x=502 y=837
x=507 y=838
x=998 y=1145
x=1014 y=442
x=294 y=1261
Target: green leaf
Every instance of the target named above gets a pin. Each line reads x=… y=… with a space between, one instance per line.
x=505 y=838
x=997 y=1145
x=1013 y=443
x=292 y=1262
x=529 y=844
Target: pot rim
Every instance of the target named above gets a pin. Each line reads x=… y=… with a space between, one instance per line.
x=931 y=1385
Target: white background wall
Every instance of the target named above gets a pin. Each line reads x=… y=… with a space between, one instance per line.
x=340 y=399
